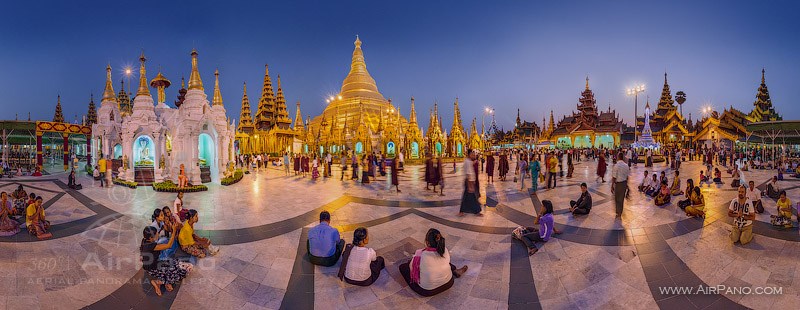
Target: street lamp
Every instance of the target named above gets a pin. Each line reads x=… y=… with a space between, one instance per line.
x=634 y=91
x=486 y=110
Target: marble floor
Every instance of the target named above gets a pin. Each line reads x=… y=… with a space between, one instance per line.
x=598 y=261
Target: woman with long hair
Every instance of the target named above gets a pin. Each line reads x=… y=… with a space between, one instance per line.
x=430 y=272
x=161 y=271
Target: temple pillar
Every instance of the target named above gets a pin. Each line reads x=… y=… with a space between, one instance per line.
x=39 y=159
x=127 y=155
x=159 y=146
x=194 y=163
x=89 y=150
x=65 y=150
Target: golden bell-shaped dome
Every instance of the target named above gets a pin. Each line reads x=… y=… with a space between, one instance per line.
x=358 y=82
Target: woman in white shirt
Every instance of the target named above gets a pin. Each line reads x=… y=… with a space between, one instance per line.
x=430 y=272
x=360 y=265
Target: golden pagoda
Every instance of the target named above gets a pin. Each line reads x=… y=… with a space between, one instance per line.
x=475 y=141
x=435 y=136
x=358 y=102
x=414 y=141
x=457 y=140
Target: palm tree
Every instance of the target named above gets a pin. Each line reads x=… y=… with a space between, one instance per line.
x=680 y=97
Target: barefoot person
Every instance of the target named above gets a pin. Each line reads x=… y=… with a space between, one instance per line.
x=360 y=265
x=430 y=272
x=531 y=235
x=8 y=226
x=469 y=200
x=191 y=243
x=35 y=220
x=164 y=271
x=619 y=183
x=743 y=215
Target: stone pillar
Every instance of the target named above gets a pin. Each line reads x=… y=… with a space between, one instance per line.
x=39 y=159
x=194 y=167
x=66 y=150
x=159 y=147
x=127 y=151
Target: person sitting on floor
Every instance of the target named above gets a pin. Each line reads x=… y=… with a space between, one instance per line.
x=8 y=226
x=645 y=181
x=784 y=217
x=773 y=190
x=35 y=220
x=161 y=271
x=430 y=272
x=703 y=178
x=736 y=177
x=191 y=243
x=531 y=235
x=360 y=265
x=164 y=228
x=171 y=219
x=96 y=173
x=662 y=197
x=584 y=204
x=675 y=190
x=324 y=245
x=652 y=186
x=742 y=213
x=697 y=207
x=688 y=194
x=754 y=195
x=180 y=211
x=717 y=176
x=20 y=200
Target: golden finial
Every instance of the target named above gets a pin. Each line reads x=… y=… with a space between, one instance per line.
x=143 y=90
x=587 y=82
x=763 y=81
x=160 y=83
x=183 y=83
x=217 y=95
x=357 y=42
x=194 y=79
x=108 y=93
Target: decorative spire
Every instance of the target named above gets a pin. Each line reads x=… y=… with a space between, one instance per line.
x=194 y=78
x=124 y=100
x=358 y=82
x=281 y=111
x=245 y=120
x=587 y=82
x=518 y=120
x=181 y=94
x=763 y=81
x=666 y=100
x=217 y=95
x=58 y=117
x=412 y=117
x=108 y=93
x=265 y=114
x=91 y=115
x=143 y=89
x=298 y=119
x=552 y=124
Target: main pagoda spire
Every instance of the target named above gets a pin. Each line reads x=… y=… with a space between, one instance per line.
x=245 y=120
x=59 y=116
x=358 y=82
x=195 y=82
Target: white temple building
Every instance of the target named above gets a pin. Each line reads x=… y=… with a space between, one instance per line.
x=153 y=139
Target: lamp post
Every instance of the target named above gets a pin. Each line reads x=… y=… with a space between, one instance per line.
x=634 y=91
x=486 y=110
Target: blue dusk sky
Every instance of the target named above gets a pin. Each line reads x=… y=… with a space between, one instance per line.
x=531 y=55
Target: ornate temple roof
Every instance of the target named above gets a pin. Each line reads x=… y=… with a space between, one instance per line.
x=245 y=120
x=58 y=116
x=91 y=114
x=108 y=92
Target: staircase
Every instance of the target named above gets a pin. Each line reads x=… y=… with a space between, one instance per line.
x=144 y=176
x=205 y=174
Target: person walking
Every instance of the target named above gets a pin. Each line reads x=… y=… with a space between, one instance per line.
x=619 y=183
x=469 y=200
x=395 y=180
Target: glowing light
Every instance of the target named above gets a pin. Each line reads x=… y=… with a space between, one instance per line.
x=330 y=99
x=340 y=97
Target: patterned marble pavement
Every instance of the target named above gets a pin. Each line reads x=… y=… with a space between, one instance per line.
x=597 y=262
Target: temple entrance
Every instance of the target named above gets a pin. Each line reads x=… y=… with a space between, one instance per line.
x=321 y=150
x=606 y=141
x=583 y=141
x=438 y=147
x=207 y=158
x=414 y=149
x=459 y=150
x=359 y=148
x=564 y=142
x=390 y=149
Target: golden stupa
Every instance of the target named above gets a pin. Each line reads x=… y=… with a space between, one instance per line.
x=359 y=101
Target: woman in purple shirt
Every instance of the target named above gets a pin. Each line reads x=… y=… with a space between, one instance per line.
x=531 y=235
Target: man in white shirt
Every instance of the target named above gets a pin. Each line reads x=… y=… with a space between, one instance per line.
x=630 y=157
x=619 y=182
x=754 y=196
x=742 y=213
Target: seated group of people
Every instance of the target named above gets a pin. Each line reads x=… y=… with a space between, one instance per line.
x=20 y=208
x=659 y=189
x=161 y=240
x=784 y=205
x=428 y=273
x=694 y=204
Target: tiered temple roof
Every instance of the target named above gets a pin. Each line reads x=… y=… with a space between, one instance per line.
x=245 y=120
x=588 y=118
x=91 y=115
x=265 y=115
x=59 y=116
x=762 y=107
